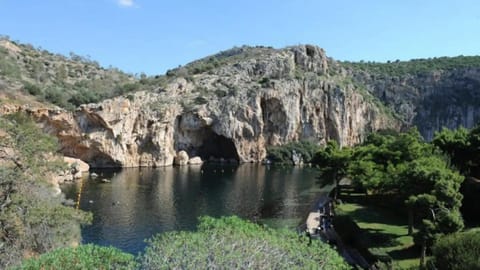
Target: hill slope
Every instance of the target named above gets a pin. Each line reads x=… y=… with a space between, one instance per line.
x=52 y=78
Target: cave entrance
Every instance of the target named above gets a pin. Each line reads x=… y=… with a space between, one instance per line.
x=101 y=160
x=217 y=147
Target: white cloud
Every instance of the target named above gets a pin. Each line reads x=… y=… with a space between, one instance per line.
x=126 y=3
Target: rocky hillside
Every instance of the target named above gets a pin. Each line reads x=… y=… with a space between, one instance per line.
x=233 y=105
x=427 y=93
x=230 y=106
x=33 y=75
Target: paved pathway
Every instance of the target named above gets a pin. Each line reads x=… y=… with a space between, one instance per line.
x=329 y=234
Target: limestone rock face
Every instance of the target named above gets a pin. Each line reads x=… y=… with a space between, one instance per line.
x=115 y=133
x=430 y=100
x=231 y=113
x=127 y=133
x=231 y=106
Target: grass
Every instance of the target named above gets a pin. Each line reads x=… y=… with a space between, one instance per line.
x=386 y=233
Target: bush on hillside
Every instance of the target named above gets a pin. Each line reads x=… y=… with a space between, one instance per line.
x=231 y=243
x=283 y=153
x=82 y=257
x=457 y=251
x=32 y=219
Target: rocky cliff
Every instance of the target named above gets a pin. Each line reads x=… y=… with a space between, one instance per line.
x=230 y=112
x=444 y=93
x=233 y=105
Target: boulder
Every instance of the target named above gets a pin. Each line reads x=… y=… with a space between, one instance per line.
x=195 y=161
x=181 y=158
x=77 y=165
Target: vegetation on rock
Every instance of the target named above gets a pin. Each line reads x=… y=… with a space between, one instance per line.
x=53 y=78
x=415 y=66
x=283 y=154
x=32 y=218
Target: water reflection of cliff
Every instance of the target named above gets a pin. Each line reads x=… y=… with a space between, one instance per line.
x=138 y=203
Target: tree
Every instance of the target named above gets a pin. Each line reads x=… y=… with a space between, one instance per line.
x=378 y=163
x=412 y=174
x=333 y=163
x=435 y=198
x=474 y=153
x=463 y=148
x=368 y=174
x=455 y=143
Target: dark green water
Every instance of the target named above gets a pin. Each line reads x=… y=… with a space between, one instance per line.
x=139 y=203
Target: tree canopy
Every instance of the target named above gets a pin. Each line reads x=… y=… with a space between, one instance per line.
x=463 y=148
x=332 y=162
x=413 y=174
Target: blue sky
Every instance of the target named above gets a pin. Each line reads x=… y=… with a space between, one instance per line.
x=152 y=36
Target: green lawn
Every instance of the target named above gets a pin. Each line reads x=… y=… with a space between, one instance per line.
x=387 y=233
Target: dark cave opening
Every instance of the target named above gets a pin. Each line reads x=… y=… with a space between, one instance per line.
x=101 y=160
x=217 y=147
x=201 y=140
x=310 y=50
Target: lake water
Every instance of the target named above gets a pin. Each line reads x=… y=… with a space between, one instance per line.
x=138 y=203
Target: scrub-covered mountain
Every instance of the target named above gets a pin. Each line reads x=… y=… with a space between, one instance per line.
x=235 y=104
x=53 y=78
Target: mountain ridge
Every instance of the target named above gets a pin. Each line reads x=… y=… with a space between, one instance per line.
x=249 y=98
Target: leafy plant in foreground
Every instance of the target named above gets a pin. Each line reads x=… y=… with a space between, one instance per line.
x=82 y=257
x=231 y=243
